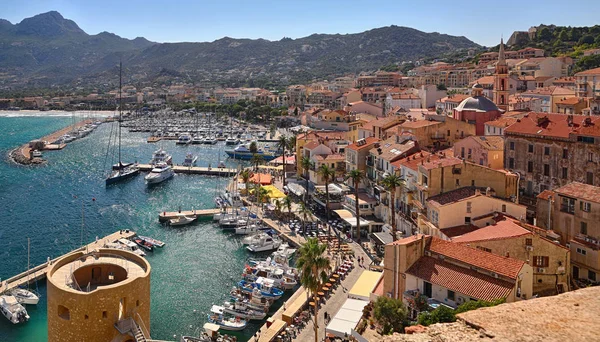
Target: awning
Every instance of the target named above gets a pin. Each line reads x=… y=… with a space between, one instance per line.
x=346 y=318
x=382 y=238
x=350 y=218
x=274 y=330
x=296 y=189
x=262 y=178
x=365 y=285
x=291 y=160
x=278 y=168
x=273 y=191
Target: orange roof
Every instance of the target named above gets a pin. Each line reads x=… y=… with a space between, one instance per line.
x=412 y=162
x=381 y=122
x=262 y=178
x=369 y=141
x=502 y=122
x=460 y=279
x=420 y=123
x=545 y=195
x=590 y=72
x=508 y=267
x=554 y=125
x=569 y=101
x=456 y=98
x=441 y=162
x=379 y=287
x=486 y=80
x=498 y=231
x=579 y=190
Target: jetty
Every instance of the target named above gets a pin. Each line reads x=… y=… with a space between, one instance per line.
x=195 y=170
x=39 y=272
x=169 y=215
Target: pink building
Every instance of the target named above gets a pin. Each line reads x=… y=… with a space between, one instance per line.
x=477 y=110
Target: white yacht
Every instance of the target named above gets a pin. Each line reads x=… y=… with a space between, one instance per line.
x=264 y=244
x=197 y=140
x=210 y=140
x=248 y=229
x=161 y=156
x=226 y=323
x=116 y=245
x=234 y=199
x=190 y=160
x=285 y=250
x=36 y=154
x=240 y=309
x=181 y=220
x=161 y=172
x=253 y=239
x=231 y=141
x=184 y=139
x=24 y=296
x=282 y=278
x=233 y=222
x=11 y=309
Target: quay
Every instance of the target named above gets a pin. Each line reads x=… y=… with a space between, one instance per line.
x=195 y=170
x=169 y=215
x=39 y=272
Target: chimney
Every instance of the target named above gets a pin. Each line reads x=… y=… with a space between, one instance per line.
x=477 y=192
x=488 y=191
x=570 y=120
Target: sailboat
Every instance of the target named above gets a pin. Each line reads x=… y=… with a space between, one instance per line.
x=121 y=171
x=25 y=296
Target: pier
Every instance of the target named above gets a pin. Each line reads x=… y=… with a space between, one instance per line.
x=169 y=215
x=39 y=272
x=195 y=170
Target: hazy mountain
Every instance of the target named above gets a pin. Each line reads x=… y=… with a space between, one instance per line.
x=48 y=49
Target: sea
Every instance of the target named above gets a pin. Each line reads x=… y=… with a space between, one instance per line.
x=64 y=203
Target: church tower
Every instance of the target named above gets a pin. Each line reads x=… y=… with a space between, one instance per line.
x=501 y=91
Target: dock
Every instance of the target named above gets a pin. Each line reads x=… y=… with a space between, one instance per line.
x=169 y=215
x=195 y=170
x=39 y=272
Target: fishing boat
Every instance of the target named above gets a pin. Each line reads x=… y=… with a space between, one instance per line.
x=252 y=301
x=265 y=286
x=253 y=239
x=161 y=156
x=264 y=244
x=227 y=323
x=145 y=245
x=160 y=173
x=240 y=309
x=153 y=242
x=190 y=160
x=282 y=278
x=24 y=296
x=13 y=310
x=184 y=139
x=181 y=220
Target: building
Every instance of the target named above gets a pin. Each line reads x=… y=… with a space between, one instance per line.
x=551 y=150
x=451 y=274
x=381 y=78
x=571 y=105
x=435 y=132
x=573 y=211
x=377 y=128
x=498 y=126
x=365 y=107
x=486 y=150
x=588 y=83
x=102 y=295
x=381 y=157
x=507 y=237
x=501 y=89
x=478 y=109
x=404 y=101
x=332 y=141
x=446 y=105
x=357 y=153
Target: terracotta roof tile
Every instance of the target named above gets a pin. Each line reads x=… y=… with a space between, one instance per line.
x=590 y=72
x=545 y=194
x=412 y=162
x=579 y=190
x=554 y=125
x=490 y=142
x=419 y=123
x=369 y=141
x=441 y=162
x=502 y=122
x=458 y=230
x=498 y=231
x=460 y=279
x=569 y=101
x=455 y=195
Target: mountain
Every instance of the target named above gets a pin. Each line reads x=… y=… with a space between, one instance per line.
x=49 y=50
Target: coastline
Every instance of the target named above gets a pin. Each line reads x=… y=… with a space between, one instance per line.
x=20 y=155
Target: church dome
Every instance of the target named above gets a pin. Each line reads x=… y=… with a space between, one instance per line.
x=477 y=104
x=477 y=86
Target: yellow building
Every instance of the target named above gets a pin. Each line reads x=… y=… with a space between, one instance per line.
x=550 y=261
x=436 y=131
x=486 y=150
x=328 y=138
x=103 y=295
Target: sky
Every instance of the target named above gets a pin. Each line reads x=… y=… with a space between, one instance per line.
x=483 y=21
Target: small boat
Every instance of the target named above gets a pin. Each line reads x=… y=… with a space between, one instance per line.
x=160 y=173
x=285 y=250
x=197 y=140
x=24 y=296
x=36 y=154
x=242 y=152
x=13 y=310
x=181 y=220
x=248 y=229
x=253 y=239
x=227 y=323
x=134 y=249
x=145 y=245
x=265 y=286
x=240 y=309
x=184 y=139
x=153 y=242
x=210 y=334
x=190 y=160
x=210 y=140
x=264 y=244
x=160 y=156
x=233 y=222
x=231 y=141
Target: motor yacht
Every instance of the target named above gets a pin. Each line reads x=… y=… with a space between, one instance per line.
x=210 y=140
x=181 y=220
x=160 y=173
x=24 y=296
x=225 y=322
x=240 y=309
x=161 y=156
x=184 y=139
x=231 y=141
x=190 y=160
x=264 y=244
x=13 y=310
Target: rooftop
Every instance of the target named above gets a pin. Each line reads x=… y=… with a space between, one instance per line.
x=500 y=230
x=361 y=145
x=590 y=72
x=502 y=122
x=580 y=190
x=456 y=195
x=555 y=125
x=477 y=104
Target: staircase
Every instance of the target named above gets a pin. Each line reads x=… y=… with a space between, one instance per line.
x=137 y=333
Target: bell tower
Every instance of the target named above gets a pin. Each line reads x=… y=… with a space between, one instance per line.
x=501 y=88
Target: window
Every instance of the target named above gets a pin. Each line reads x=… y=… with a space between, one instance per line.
x=546 y=151
x=469 y=154
x=567 y=205
x=64 y=313
x=529 y=166
x=451 y=295
x=586 y=140
x=504 y=208
x=484 y=249
x=530 y=148
x=511 y=163
x=589 y=178
x=86 y=317
x=565 y=173
x=585 y=206
x=458 y=182
x=472 y=182
x=590 y=157
x=592 y=275
x=104 y=314
x=565 y=153
x=512 y=145
x=581 y=251
x=462 y=152
x=583 y=228
x=467 y=220
x=546 y=170
x=469 y=207
x=528 y=242
x=448 y=133
x=540 y=261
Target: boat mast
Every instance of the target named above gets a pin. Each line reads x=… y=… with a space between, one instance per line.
x=28 y=264
x=120 y=109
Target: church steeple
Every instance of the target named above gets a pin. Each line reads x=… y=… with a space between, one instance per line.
x=501 y=58
x=501 y=85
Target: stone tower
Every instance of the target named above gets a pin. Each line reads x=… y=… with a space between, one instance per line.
x=501 y=88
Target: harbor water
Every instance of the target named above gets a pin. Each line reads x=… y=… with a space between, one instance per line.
x=51 y=203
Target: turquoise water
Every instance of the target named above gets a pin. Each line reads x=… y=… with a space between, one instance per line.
x=197 y=267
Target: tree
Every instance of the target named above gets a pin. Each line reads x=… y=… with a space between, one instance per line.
x=587 y=39
x=544 y=34
x=296 y=111
x=563 y=36
x=313 y=266
x=256 y=160
x=245 y=174
x=306 y=164
x=305 y=213
x=328 y=174
x=287 y=203
x=390 y=313
x=391 y=183
x=291 y=143
x=282 y=144
x=356 y=176
x=442 y=314
x=574 y=34
x=253 y=147
x=441 y=86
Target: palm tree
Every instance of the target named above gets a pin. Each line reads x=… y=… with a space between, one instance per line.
x=305 y=213
x=287 y=203
x=291 y=143
x=253 y=147
x=328 y=174
x=313 y=268
x=282 y=144
x=278 y=207
x=356 y=176
x=256 y=160
x=391 y=183
x=306 y=164
x=245 y=174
